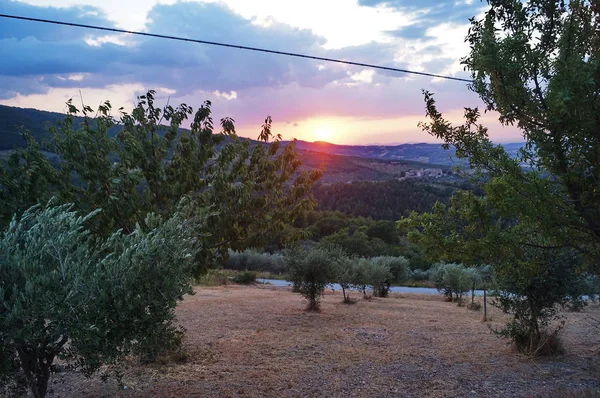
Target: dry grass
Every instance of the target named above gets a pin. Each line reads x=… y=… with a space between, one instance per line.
x=259 y=342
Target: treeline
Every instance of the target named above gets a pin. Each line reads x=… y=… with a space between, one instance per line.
x=357 y=236
x=383 y=200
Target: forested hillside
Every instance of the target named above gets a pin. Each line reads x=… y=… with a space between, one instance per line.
x=385 y=200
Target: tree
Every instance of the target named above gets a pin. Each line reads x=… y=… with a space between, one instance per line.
x=346 y=275
x=379 y=275
x=536 y=64
x=89 y=301
x=252 y=189
x=312 y=270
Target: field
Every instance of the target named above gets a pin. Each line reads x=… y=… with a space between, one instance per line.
x=258 y=341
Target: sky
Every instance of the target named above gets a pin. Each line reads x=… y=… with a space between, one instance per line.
x=45 y=65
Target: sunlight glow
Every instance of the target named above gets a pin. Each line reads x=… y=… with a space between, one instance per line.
x=322 y=133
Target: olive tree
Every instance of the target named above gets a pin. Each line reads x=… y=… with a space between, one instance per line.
x=65 y=294
x=312 y=270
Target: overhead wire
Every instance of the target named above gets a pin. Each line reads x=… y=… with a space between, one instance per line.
x=236 y=46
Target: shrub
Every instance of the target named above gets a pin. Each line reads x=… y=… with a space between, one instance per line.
x=88 y=301
x=419 y=275
x=213 y=277
x=245 y=278
x=311 y=271
x=361 y=275
x=252 y=260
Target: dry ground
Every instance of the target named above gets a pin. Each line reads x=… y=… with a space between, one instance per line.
x=259 y=342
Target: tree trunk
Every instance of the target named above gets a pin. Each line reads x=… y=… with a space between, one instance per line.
x=36 y=369
x=484 y=304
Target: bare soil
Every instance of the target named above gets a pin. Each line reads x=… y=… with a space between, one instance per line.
x=259 y=342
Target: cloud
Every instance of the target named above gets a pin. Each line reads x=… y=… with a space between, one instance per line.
x=56 y=61
x=428 y=14
x=441 y=11
x=17 y=29
x=38 y=50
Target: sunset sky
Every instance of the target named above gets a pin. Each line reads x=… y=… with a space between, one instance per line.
x=44 y=65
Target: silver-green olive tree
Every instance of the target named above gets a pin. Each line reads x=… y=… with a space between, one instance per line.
x=89 y=301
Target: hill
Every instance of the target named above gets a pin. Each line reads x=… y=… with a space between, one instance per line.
x=341 y=163
x=422 y=153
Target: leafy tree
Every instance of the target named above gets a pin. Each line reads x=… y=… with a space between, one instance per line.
x=346 y=269
x=536 y=64
x=398 y=267
x=379 y=275
x=452 y=279
x=312 y=270
x=362 y=275
x=89 y=301
x=254 y=191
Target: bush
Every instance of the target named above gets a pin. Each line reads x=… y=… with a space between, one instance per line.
x=88 y=301
x=310 y=271
x=252 y=260
x=361 y=275
x=245 y=278
x=419 y=275
x=213 y=277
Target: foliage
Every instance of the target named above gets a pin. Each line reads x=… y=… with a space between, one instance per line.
x=311 y=271
x=536 y=64
x=89 y=301
x=346 y=271
x=419 y=275
x=383 y=200
x=245 y=277
x=252 y=260
x=253 y=191
x=214 y=277
x=398 y=267
x=534 y=285
x=379 y=275
x=453 y=280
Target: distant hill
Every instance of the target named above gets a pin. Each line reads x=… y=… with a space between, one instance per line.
x=422 y=153
x=342 y=163
x=13 y=120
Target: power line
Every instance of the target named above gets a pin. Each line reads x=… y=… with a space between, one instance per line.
x=213 y=43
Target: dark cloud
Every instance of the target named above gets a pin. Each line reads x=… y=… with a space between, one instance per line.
x=414 y=31
x=17 y=29
x=435 y=10
x=430 y=13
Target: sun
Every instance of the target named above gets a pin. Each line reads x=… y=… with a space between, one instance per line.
x=322 y=133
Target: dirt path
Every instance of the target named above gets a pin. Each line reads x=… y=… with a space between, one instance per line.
x=258 y=342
